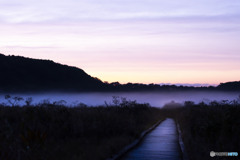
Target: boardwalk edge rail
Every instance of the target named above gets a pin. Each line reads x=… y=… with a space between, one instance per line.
x=181 y=144
x=134 y=143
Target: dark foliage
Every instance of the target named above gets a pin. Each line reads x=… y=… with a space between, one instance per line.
x=206 y=128
x=49 y=131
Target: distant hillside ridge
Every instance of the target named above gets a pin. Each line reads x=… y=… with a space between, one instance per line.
x=230 y=86
x=19 y=73
x=23 y=74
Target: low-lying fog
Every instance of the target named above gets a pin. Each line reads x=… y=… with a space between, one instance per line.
x=157 y=99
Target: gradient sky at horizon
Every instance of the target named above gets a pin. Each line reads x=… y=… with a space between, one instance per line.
x=145 y=41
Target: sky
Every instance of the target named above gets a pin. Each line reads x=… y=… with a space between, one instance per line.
x=139 y=41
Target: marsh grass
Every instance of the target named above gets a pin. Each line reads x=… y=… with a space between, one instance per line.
x=51 y=131
x=209 y=127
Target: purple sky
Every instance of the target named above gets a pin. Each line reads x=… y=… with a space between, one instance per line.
x=159 y=41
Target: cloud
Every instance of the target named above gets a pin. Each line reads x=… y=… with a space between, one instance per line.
x=31 y=47
x=69 y=10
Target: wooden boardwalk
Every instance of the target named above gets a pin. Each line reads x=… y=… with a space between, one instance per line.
x=160 y=144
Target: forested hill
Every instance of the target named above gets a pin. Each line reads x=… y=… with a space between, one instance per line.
x=25 y=74
x=230 y=86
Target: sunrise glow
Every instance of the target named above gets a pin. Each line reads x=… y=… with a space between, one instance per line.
x=146 y=41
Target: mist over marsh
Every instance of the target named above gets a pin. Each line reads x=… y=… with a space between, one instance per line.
x=156 y=99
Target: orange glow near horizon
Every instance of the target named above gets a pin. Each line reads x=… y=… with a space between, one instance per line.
x=214 y=78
